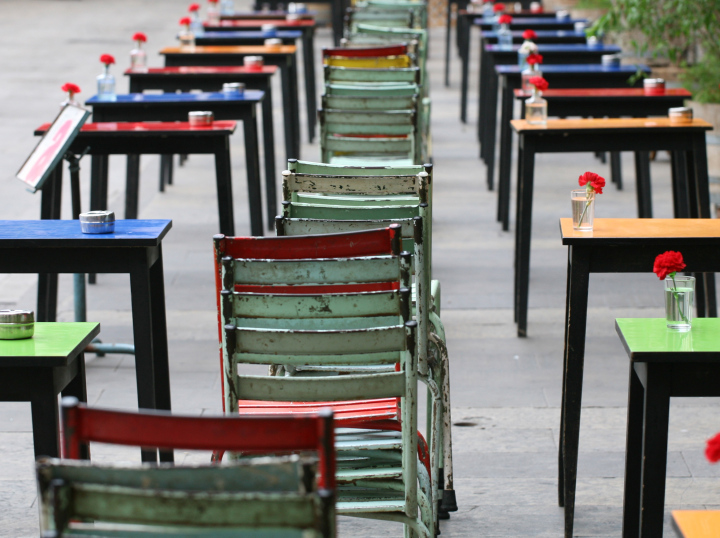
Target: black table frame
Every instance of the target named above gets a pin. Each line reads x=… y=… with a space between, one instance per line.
x=188 y=141
x=589 y=106
x=40 y=385
x=141 y=259
x=614 y=256
x=288 y=69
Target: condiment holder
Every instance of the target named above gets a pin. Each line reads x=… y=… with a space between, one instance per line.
x=233 y=88
x=273 y=43
x=16 y=324
x=681 y=114
x=254 y=63
x=200 y=118
x=654 y=86
x=97 y=222
x=268 y=29
x=610 y=60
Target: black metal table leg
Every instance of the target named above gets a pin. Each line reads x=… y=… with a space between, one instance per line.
x=309 y=73
x=616 y=169
x=223 y=178
x=643 y=184
x=253 y=175
x=633 y=453
x=523 y=233
x=45 y=417
x=132 y=186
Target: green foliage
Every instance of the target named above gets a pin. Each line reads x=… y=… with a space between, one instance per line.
x=674 y=30
x=594 y=4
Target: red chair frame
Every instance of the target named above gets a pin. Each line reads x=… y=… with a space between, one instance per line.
x=366 y=52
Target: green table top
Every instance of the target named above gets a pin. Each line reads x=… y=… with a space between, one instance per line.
x=53 y=344
x=649 y=340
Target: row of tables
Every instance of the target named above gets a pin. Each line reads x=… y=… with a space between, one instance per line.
x=136 y=124
x=618 y=118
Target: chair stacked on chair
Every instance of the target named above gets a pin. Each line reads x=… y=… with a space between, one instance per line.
x=325 y=198
x=310 y=303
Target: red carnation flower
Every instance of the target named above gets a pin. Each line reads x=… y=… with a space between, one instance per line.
x=667 y=264
x=534 y=59
x=70 y=88
x=504 y=19
x=212 y=1
x=499 y=7
x=107 y=59
x=185 y=21
x=487 y=1
x=595 y=181
x=194 y=7
x=540 y=84
x=529 y=34
x=139 y=36
x=712 y=451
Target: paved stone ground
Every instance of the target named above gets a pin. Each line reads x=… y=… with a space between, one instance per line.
x=506 y=390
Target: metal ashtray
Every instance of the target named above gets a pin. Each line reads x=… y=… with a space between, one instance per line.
x=593 y=41
x=97 y=222
x=200 y=118
x=562 y=14
x=610 y=60
x=16 y=324
x=253 y=62
x=580 y=26
x=268 y=29
x=293 y=17
x=273 y=42
x=654 y=86
x=681 y=114
x=233 y=88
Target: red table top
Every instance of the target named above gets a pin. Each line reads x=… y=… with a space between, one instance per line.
x=253 y=23
x=199 y=70
x=144 y=126
x=607 y=92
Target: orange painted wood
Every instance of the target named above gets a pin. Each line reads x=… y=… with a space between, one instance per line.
x=697 y=523
x=643 y=229
x=608 y=123
x=606 y=92
x=232 y=49
x=201 y=70
x=140 y=126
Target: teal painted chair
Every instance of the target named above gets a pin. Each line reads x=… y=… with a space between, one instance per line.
x=371 y=77
x=259 y=497
x=417 y=9
x=321 y=198
x=314 y=301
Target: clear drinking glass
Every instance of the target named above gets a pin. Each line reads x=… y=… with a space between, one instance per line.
x=187 y=40
x=227 y=7
x=213 y=14
x=106 y=86
x=505 y=39
x=583 y=210
x=679 y=295
x=138 y=59
x=527 y=74
x=536 y=109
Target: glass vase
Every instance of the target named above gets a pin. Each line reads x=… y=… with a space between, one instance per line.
x=583 y=209
x=227 y=7
x=187 y=40
x=69 y=101
x=505 y=39
x=196 y=25
x=138 y=59
x=106 y=86
x=536 y=109
x=679 y=295
x=525 y=50
x=527 y=74
x=213 y=14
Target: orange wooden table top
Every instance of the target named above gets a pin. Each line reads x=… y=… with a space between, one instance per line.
x=697 y=523
x=232 y=49
x=642 y=229
x=607 y=92
x=608 y=123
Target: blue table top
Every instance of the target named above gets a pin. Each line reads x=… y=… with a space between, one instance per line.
x=561 y=47
x=574 y=68
x=540 y=33
x=253 y=34
x=247 y=96
x=58 y=233
x=530 y=21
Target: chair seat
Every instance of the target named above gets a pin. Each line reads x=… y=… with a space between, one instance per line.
x=345 y=412
x=370 y=161
x=350 y=507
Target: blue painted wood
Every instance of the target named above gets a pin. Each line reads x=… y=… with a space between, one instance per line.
x=530 y=21
x=574 y=68
x=55 y=233
x=254 y=34
x=540 y=33
x=561 y=47
x=204 y=97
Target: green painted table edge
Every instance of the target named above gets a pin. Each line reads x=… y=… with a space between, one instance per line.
x=649 y=340
x=53 y=344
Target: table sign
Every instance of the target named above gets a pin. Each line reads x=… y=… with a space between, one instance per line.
x=52 y=146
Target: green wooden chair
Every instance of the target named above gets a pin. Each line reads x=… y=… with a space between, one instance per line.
x=322 y=198
x=387 y=18
x=290 y=496
x=321 y=300
x=371 y=77
x=417 y=9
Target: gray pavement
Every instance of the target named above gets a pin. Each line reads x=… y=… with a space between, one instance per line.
x=505 y=390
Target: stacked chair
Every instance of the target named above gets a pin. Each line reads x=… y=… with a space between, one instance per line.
x=329 y=304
